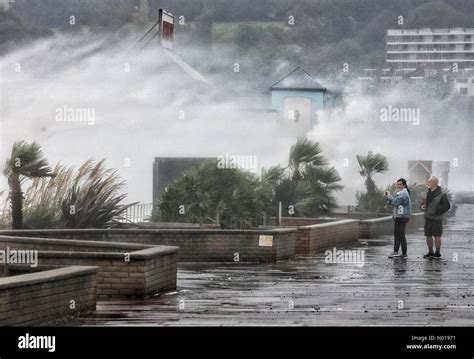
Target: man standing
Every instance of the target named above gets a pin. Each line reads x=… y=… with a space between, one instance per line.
x=435 y=206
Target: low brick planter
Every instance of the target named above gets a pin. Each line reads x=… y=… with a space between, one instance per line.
x=124 y=269
x=371 y=228
x=43 y=297
x=195 y=245
x=315 y=238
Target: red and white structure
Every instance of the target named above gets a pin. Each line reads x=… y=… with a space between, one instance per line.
x=166 y=23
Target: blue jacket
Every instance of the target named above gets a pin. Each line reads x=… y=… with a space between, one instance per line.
x=401 y=204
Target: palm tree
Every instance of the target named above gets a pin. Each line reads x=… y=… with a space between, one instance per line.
x=210 y=194
x=369 y=166
x=310 y=183
x=26 y=161
x=267 y=188
x=304 y=152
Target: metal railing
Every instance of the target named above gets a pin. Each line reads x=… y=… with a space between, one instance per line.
x=138 y=213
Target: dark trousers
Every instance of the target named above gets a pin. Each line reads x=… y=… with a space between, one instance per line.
x=399 y=233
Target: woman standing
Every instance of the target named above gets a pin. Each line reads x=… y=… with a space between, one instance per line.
x=401 y=215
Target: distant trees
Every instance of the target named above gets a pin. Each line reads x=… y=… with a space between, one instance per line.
x=141 y=15
x=202 y=29
x=440 y=14
x=248 y=36
x=11 y=28
x=325 y=33
x=334 y=19
x=55 y=14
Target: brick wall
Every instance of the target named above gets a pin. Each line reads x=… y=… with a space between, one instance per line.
x=148 y=270
x=314 y=238
x=43 y=297
x=357 y=215
x=417 y=222
x=144 y=275
x=213 y=245
x=175 y=225
x=307 y=221
x=195 y=245
x=301 y=221
x=372 y=228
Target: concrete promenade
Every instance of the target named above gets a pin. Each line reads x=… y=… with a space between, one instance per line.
x=310 y=292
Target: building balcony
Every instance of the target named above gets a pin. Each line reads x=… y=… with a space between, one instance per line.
x=411 y=32
x=430 y=60
x=430 y=52
x=443 y=42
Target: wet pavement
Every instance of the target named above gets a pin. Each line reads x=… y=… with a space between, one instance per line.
x=381 y=291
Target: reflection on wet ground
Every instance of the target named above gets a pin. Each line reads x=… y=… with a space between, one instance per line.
x=412 y=291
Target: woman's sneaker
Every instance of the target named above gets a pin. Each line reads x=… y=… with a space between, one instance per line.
x=437 y=254
x=394 y=254
x=429 y=255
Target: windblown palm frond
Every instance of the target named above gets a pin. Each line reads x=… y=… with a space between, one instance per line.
x=302 y=153
x=370 y=165
x=26 y=162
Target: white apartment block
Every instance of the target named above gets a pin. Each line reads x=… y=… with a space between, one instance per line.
x=431 y=47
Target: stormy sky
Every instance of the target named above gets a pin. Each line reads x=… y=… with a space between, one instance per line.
x=146 y=105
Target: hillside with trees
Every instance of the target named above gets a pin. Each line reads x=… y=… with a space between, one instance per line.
x=319 y=35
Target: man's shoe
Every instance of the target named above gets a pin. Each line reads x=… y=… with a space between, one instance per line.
x=429 y=255
x=404 y=255
x=394 y=254
x=437 y=254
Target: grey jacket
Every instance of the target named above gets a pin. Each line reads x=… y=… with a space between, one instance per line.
x=437 y=204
